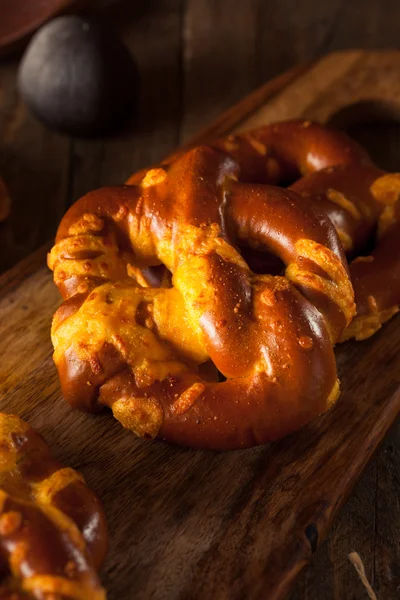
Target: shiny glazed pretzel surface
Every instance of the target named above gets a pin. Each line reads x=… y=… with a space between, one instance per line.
x=205 y=351
x=52 y=530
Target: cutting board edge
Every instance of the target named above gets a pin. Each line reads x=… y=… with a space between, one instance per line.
x=371 y=444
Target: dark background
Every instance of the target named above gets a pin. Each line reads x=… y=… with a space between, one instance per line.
x=196 y=58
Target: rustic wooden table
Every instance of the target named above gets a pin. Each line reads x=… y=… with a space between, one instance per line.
x=196 y=58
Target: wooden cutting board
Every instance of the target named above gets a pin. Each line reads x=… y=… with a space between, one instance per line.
x=198 y=524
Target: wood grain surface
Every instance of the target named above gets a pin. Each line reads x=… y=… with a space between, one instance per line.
x=195 y=524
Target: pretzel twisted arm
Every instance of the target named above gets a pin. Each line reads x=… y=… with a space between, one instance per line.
x=52 y=528
x=285 y=151
x=338 y=175
x=363 y=204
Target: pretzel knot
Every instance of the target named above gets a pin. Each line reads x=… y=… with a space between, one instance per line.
x=167 y=318
x=52 y=529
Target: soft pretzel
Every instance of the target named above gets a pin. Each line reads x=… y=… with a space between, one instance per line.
x=52 y=529
x=155 y=351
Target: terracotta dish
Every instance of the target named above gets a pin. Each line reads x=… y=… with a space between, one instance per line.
x=20 y=18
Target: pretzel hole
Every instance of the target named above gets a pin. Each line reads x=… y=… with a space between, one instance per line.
x=87 y=254
x=262 y=262
x=5 y=571
x=209 y=372
x=375 y=125
x=143 y=316
x=158 y=276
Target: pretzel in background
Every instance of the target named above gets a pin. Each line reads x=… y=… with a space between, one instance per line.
x=53 y=535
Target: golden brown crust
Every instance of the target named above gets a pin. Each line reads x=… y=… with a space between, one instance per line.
x=141 y=350
x=52 y=529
